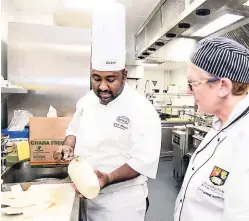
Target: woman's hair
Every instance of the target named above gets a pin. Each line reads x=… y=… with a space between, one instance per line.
x=239 y=88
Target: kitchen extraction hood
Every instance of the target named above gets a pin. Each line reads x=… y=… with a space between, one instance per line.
x=172 y=19
x=240 y=35
x=238 y=32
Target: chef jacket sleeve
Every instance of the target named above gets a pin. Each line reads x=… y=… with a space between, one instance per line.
x=73 y=126
x=236 y=203
x=146 y=142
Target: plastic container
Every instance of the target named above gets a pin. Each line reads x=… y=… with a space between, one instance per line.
x=16 y=134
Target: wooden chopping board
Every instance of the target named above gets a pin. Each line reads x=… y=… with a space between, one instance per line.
x=63 y=196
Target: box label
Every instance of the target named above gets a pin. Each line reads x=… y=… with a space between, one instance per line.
x=41 y=152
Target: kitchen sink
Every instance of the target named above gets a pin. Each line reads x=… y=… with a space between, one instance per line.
x=23 y=172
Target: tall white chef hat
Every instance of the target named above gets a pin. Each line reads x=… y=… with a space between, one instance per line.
x=108 y=38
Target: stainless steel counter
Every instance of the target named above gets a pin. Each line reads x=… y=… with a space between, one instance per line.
x=77 y=212
x=175 y=123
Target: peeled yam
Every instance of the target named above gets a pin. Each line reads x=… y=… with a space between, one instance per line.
x=19 y=203
x=12 y=211
x=16 y=191
x=28 y=210
x=84 y=177
x=37 y=209
x=18 y=199
x=6 y=198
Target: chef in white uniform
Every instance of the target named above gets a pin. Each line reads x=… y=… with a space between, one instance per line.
x=216 y=184
x=114 y=128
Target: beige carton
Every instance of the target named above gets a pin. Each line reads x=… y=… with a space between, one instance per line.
x=45 y=135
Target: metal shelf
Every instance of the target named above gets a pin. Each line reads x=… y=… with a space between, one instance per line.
x=193 y=115
x=173 y=94
x=202 y=128
x=9 y=90
x=173 y=106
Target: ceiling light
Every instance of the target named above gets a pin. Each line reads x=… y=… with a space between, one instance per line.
x=202 y=12
x=86 y=4
x=170 y=35
x=146 y=53
x=217 y=24
x=246 y=4
x=151 y=49
x=140 y=57
x=184 y=25
x=159 y=43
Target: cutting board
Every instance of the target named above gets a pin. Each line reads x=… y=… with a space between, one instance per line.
x=64 y=195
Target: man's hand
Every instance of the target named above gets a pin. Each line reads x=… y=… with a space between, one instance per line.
x=63 y=153
x=77 y=191
x=104 y=178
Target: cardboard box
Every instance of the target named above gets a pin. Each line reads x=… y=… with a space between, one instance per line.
x=45 y=135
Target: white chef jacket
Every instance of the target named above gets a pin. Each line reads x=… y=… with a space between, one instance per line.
x=216 y=184
x=127 y=130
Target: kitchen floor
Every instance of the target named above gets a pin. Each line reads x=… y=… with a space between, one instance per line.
x=162 y=193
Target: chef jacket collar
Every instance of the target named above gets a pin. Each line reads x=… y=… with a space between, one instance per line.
x=239 y=108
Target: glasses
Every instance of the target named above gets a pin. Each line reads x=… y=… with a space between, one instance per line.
x=196 y=83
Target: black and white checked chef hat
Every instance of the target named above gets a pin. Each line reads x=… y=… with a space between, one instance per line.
x=223 y=57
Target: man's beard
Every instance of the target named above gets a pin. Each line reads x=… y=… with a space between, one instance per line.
x=107 y=96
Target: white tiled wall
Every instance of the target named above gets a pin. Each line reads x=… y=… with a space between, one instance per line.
x=165 y=78
x=179 y=78
x=153 y=75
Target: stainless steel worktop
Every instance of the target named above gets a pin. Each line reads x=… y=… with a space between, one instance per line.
x=77 y=211
x=176 y=122
x=75 y=214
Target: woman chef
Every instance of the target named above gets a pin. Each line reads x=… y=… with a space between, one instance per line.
x=114 y=128
x=216 y=185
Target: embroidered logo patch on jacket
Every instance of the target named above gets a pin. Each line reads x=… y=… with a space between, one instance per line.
x=218 y=176
x=122 y=122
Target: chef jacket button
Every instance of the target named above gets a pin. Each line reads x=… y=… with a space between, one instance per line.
x=218 y=139
x=193 y=168
x=180 y=201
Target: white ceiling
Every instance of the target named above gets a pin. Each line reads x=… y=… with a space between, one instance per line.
x=136 y=11
x=168 y=65
x=41 y=12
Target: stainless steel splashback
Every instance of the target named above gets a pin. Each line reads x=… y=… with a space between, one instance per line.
x=52 y=62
